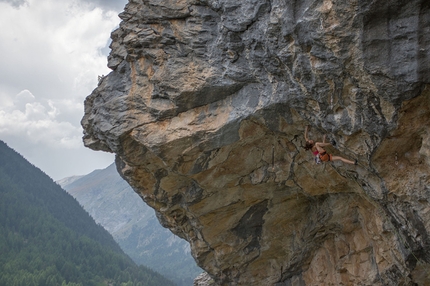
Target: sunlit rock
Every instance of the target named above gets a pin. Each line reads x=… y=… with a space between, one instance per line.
x=206 y=108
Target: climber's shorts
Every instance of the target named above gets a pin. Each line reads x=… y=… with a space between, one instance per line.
x=325 y=157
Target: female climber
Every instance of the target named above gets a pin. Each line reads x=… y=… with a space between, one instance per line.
x=320 y=153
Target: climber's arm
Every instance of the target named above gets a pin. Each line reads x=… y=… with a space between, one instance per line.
x=306 y=133
x=322 y=144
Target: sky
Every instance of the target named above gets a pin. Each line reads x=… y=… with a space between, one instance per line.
x=51 y=54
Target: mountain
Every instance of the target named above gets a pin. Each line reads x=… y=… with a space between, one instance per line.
x=68 y=180
x=47 y=238
x=114 y=205
x=206 y=109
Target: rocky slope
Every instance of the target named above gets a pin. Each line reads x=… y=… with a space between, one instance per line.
x=206 y=106
x=133 y=225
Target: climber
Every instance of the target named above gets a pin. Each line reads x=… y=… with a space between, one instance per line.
x=320 y=153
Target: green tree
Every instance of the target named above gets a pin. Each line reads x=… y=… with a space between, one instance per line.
x=46 y=238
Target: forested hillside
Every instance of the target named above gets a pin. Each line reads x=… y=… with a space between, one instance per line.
x=46 y=238
x=113 y=204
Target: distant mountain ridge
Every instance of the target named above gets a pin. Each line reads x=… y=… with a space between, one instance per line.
x=47 y=238
x=68 y=180
x=114 y=205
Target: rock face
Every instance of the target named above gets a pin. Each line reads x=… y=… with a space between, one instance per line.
x=203 y=280
x=206 y=108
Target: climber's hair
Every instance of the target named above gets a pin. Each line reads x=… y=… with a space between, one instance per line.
x=308 y=146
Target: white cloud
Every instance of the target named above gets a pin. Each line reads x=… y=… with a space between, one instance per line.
x=36 y=122
x=15 y=3
x=54 y=43
x=22 y=98
x=51 y=57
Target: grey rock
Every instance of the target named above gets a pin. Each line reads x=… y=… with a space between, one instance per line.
x=206 y=107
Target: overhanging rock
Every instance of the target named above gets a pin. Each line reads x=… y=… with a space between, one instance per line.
x=206 y=108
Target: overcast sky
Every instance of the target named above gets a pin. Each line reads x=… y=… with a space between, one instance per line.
x=51 y=53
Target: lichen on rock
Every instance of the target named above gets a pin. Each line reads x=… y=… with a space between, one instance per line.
x=205 y=109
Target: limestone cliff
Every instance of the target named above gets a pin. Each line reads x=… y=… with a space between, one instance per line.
x=206 y=107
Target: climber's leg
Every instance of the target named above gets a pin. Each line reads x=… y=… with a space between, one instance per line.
x=338 y=158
